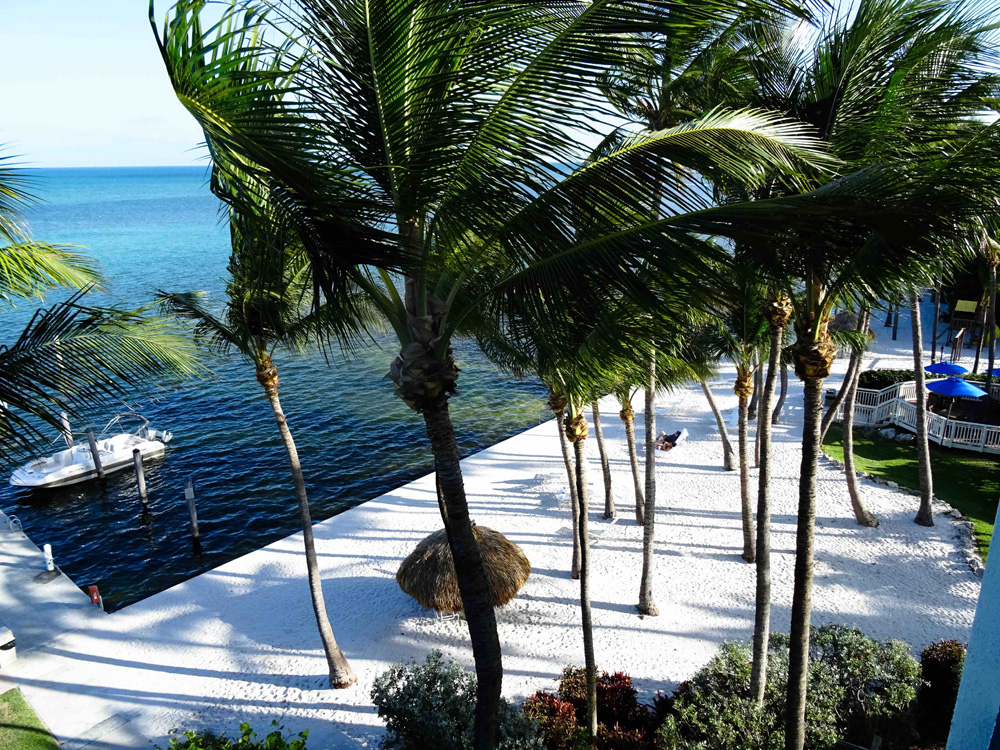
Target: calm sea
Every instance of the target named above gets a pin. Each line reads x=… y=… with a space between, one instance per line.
x=159 y=228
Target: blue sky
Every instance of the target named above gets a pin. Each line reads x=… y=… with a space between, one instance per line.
x=83 y=85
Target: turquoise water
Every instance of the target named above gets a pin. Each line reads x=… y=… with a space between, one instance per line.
x=159 y=228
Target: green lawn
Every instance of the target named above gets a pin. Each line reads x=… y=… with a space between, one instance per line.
x=20 y=727
x=968 y=481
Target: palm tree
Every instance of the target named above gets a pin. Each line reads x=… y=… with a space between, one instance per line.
x=627 y=416
x=468 y=178
x=728 y=461
x=740 y=336
x=576 y=431
x=861 y=513
x=778 y=312
x=893 y=82
x=925 y=515
x=268 y=305
x=609 y=497
x=71 y=359
x=558 y=404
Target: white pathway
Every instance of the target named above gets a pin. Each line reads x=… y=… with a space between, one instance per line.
x=238 y=643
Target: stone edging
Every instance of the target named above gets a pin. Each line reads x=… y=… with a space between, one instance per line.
x=965 y=528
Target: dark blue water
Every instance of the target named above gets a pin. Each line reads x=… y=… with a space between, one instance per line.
x=159 y=229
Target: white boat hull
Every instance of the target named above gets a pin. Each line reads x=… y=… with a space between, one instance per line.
x=76 y=464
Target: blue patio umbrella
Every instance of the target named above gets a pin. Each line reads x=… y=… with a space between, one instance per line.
x=946 y=368
x=955 y=387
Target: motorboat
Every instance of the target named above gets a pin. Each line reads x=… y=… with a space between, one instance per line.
x=76 y=464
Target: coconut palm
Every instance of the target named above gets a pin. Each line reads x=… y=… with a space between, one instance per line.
x=861 y=513
x=627 y=416
x=925 y=515
x=609 y=497
x=740 y=337
x=269 y=306
x=469 y=178
x=777 y=311
x=71 y=359
x=893 y=82
x=728 y=461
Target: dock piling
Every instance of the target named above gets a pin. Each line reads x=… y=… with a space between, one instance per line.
x=192 y=507
x=92 y=442
x=140 y=476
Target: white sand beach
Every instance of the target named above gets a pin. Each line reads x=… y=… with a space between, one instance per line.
x=239 y=644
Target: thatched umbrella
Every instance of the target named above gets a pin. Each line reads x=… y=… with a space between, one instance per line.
x=428 y=573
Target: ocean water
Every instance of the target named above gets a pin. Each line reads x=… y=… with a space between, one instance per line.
x=159 y=228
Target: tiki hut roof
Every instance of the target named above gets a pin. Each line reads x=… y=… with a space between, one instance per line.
x=428 y=573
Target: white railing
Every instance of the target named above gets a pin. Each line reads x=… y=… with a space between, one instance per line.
x=897 y=405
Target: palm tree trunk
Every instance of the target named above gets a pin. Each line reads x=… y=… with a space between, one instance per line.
x=745 y=510
x=557 y=404
x=861 y=513
x=776 y=417
x=937 y=318
x=578 y=435
x=609 y=497
x=627 y=415
x=831 y=413
x=728 y=458
x=762 y=600
x=758 y=385
x=471 y=572
x=982 y=332
x=647 y=606
x=341 y=673
x=805 y=539
x=991 y=324
x=925 y=516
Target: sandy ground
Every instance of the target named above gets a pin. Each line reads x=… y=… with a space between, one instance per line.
x=238 y=643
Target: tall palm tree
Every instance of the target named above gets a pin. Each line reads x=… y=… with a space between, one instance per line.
x=728 y=461
x=777 y=312
x=466 y=176
x=627 y=416
x=71 y=359
x=861 y=513
x=925 y=515
x=609 y=497
x=269 y=306
x=892 y=82
x=558 y=404
x=741 y=335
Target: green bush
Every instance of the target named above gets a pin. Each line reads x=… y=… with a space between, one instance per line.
x=432 y=705
x=942 y=665
x=858 y=687
x=246 y=741
x=714 y=711
x=879 y=680
x=879 y=379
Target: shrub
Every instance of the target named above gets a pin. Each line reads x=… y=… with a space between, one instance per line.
x=432 y=705
x=617 y=701
x=879 y=379
x=879 y=680
x=942 y=665
x=556 y=719
x=246 y=741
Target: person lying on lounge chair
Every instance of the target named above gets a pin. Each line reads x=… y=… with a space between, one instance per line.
x=665 y=442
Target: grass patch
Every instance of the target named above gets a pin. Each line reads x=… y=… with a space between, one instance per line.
x=20 y=726
x=967 y=481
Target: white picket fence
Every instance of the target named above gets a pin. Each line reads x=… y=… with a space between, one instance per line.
x=896 y=405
